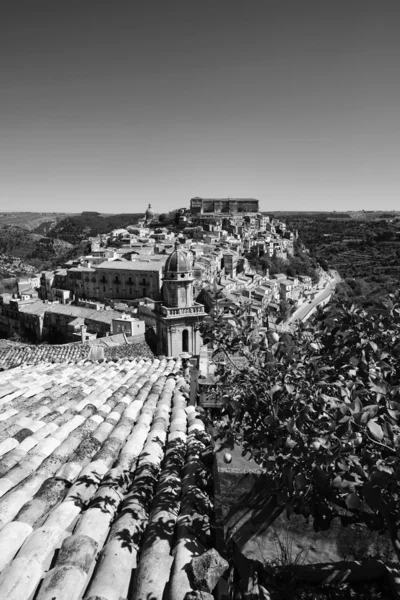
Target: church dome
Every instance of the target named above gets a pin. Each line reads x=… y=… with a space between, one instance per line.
x=178 y=262
x=149 y=213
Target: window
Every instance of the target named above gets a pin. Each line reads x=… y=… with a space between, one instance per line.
x=185 y=340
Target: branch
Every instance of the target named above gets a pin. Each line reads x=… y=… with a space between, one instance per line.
x=372 y=439
x=379 y=444
x=230 y=360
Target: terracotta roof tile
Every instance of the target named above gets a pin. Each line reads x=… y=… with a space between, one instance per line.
x=98 y=466
x=132 y=348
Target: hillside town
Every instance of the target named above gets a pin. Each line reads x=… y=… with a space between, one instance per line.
x=156 y=281
x=199 y=301
x=109 y=457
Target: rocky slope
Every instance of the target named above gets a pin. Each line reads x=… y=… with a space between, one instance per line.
x=76 y=228
x=31 y=220
x=39 y=251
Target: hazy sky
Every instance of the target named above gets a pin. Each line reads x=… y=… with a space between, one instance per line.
x=109 y=105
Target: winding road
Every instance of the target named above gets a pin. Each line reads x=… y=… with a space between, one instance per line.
x=303 y=311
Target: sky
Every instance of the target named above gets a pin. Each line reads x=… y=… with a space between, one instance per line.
x=112 y=105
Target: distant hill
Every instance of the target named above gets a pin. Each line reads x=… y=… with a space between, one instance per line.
x=37 y=250
x=32 y=220
x=74 y=229
x=362 y=215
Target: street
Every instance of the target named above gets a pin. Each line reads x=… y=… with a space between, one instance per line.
x=302 y=312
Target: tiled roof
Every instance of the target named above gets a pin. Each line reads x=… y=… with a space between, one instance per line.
x=105 y=316
x=136 y=265
x=102 y=490
x=111 y=340
x=35 y=355
x=15 y=355
x=81 y=270
x=10 y=344
x=39 y=308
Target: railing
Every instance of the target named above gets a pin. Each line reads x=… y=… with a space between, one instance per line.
x=186 y=310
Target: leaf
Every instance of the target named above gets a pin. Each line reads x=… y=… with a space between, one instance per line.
x=359 y=471
x=290 y=425
x=369 y=413
x=337 y=482
x=275 y=388
x=353 y=501
x=357 y=405
x=373 y=346
x=375 y=429
x=321 y=480
x=289 y=388
x=390 y=433
x=379 y=389
x=302 y=415
x=342 y=429
x=385 y=468
x=394 y=414
x=372 y=495
x=300 y=481
x=235 y=405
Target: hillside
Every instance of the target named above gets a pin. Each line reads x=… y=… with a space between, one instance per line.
x=36 y=250
x=75 y=228
x=32 y=220
x=360 y=215
x=366 y=252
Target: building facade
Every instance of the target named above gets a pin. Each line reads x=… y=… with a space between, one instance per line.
x=223 y=205
x=111 y=280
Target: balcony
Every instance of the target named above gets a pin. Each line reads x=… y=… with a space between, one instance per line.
x=196 y=309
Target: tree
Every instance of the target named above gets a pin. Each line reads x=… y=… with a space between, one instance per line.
x=319 y=409
x=285 y=309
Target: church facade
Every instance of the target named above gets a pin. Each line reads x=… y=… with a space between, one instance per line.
x=178 y=314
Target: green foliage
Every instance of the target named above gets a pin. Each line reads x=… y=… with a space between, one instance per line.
x=299 y=264
x=77 y=228
x=8 y=285
x=363 y=250
x=38 y=222
x=39 y=251
x=319 y=410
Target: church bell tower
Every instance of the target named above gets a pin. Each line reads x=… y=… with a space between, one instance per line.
x=178 y=314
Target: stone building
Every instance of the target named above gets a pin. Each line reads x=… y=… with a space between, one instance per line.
x=223 y=205
x=125 y=280
x=178 y=314
x=130 y=279
x=38 y=321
